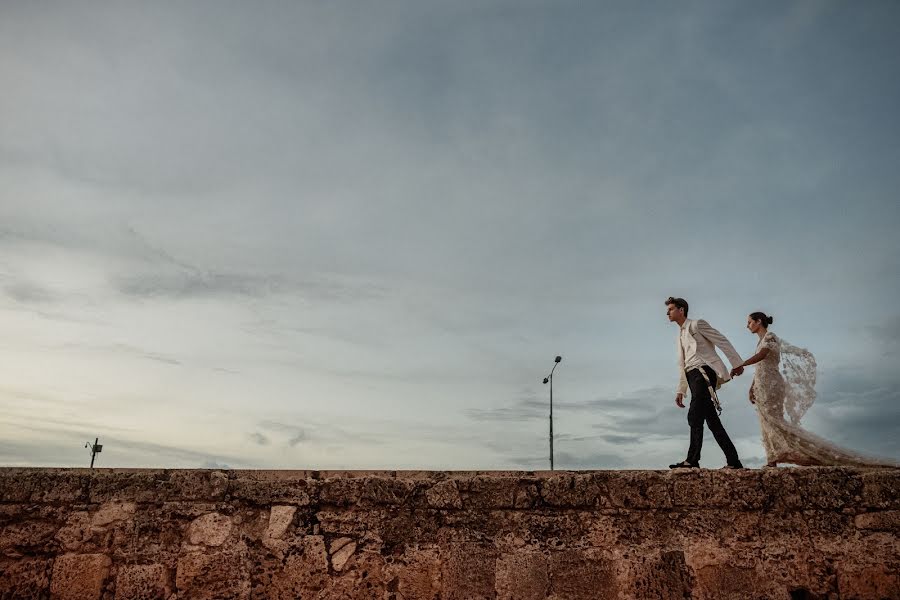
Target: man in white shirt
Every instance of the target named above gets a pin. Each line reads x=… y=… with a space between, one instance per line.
x=701 y=370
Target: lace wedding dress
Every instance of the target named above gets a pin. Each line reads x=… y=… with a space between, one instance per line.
x=793 y=391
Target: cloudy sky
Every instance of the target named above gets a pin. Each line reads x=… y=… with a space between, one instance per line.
x=355 y=234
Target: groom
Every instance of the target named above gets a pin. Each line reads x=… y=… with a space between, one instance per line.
x=703 y=371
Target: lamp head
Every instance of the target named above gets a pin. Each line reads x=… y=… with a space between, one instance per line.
x=558 y=358
x=546 y=380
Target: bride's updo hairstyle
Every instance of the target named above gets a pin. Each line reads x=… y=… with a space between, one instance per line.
x=762 y=318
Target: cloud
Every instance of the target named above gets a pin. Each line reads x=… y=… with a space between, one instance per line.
x=887 y=335
x=258 y=438
x=358 y=231
x=522 y=410
x=859 y=409
x=31 y=293
x=61 y=447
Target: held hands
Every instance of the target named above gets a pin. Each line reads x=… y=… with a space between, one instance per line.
x=679 y=400
x=738 y=370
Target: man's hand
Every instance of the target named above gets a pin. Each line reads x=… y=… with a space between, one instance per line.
x=679 y=400
x=737 y=371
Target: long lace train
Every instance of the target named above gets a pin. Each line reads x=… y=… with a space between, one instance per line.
x=793 y=391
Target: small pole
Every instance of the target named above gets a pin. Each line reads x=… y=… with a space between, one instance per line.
x=96 y=448
x=94 y=451
x=551 y=421
x=549 y=379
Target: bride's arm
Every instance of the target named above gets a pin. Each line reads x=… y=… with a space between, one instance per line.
x=761 y=355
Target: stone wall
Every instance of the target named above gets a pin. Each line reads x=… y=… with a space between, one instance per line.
x=128 y=534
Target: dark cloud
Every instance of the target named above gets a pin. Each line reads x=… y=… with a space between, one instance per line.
x=292 y=433
x=258 y=438
x=402 y=204
x=859 y=409
x=28 y=292
x=65 y=448
x=523 y=410
x=197 y=284
x=887 y=335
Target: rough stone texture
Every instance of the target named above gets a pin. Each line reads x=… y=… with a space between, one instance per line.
x=167 y=534
x=143 y=582
x=79 y=576
x=209 y=530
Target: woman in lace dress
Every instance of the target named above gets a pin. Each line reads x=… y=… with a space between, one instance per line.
x=791 y=390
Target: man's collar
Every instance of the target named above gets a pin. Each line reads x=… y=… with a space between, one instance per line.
x=683 y=325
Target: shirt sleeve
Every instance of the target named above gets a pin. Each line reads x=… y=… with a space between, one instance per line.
x=682 y=378
x=770 y=341
x=719 y=341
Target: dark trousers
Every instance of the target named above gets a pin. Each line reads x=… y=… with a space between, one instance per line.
x=701 y=409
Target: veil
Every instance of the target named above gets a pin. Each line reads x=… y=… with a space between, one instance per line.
x=798 y=366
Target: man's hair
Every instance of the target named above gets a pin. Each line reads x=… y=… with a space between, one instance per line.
x=679 y=303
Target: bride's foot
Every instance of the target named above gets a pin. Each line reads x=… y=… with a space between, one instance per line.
x=771 y=465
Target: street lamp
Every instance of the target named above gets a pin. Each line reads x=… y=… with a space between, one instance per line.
x=549 y=378
x=95 y=449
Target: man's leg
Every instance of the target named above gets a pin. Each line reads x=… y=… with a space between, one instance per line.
x=695 y=416
x=715 y=425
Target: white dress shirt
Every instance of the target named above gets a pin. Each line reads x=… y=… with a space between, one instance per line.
x=697 y=343
x=692 y=359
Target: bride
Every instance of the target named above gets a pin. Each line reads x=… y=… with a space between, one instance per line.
x=793 y=391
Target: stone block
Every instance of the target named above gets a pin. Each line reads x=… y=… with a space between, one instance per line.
x=812 y=488
x=522 y=576
x=297 y=492
x=881 y=582
x=304 y=574
x=486 y=492
x=468 y=572
x=416 y=574
x=213 y=575
x=444 y=494
x=44 y=485
x=578 y=575
x=703 y=489
x=23 y=536
x=888 y=520
x=387 y=490
x=639 y=490
x=280 y=518
x=662 y=577
x=881 y=489
x=209 y=530
x=569 y=490
x=143 y=582
x=341 y=550
x=157 y=486
x=361 y=577
x=79 y=576
x=715 y=582
x=25 y=579
x=112 y=512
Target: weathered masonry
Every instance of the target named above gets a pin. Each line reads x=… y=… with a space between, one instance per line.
x=163 y=534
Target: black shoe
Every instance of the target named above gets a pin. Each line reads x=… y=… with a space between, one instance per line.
x=684 y=465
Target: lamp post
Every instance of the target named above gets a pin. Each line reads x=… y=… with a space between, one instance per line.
x=549 y=378
x=95 y=449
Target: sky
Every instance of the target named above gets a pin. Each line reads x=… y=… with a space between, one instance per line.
x=354 y=235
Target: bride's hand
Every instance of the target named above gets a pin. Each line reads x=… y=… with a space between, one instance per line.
x=737 y=371
x=752 y=397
